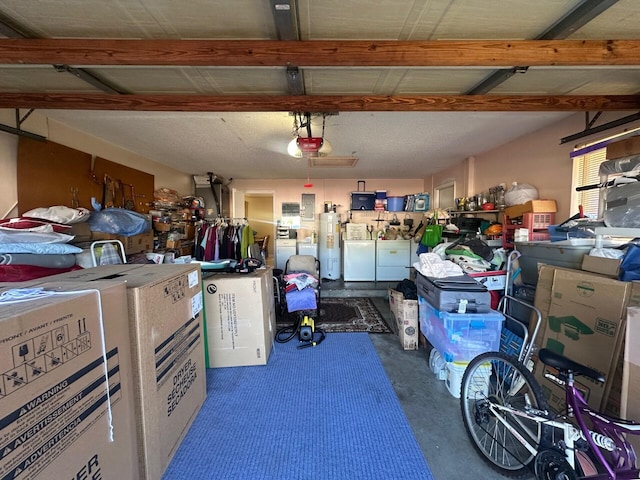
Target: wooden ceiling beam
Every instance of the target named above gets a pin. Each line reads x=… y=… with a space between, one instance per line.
x=321 y=103
x=256 y=53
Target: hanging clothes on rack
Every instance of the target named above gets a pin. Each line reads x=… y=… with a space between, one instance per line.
x=223 y=238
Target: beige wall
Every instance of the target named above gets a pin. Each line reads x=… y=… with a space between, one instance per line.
x=259 y=213
x=8 y=183
x=59 y=133
x=336 y=191
x=537 y=159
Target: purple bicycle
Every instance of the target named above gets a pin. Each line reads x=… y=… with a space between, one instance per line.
x=512 y=427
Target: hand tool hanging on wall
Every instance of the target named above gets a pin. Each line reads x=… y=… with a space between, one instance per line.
x=74 y=197
x=129 y=204
x=108 y=192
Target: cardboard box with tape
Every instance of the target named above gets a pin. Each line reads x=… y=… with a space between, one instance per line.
x=67 y=405
x=405 y=314
x=167 y=341
x=241 y=321
x=583 y=318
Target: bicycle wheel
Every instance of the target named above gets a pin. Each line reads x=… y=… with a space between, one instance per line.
x=497 y=379
x=553 y=465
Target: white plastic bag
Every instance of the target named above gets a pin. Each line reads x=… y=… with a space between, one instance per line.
x=520 y=193
x=59 y=214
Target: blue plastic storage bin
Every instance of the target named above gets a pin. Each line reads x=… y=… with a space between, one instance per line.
x=395 y=204
x=421 y=202
x=459 y=337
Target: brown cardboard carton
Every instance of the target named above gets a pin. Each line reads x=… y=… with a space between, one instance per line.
x=166 y=328
x=629 y=405
x=132 y=244
x=405 y=314
x=605 y=266
x=547 y=206
x=623 y=148
x=542 y=300
x=585 y=321
x=58 y=421
x=240 y=314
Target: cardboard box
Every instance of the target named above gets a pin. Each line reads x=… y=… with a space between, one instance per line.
x=629 y=405
x=133 y=244
x=174 y=244
x=584 y=319
x=547 y=206
x=602 y=265
x=405 y=314
x=166 y=328
x=241 y=320
x=56 y=406
x=623 y=148
x=356 y=231
x=161 y=226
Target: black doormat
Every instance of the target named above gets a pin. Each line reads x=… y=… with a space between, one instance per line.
x=344 y=314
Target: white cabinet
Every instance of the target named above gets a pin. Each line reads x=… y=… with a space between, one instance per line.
x=393 y=259
x=359 y=260
x=285 y=247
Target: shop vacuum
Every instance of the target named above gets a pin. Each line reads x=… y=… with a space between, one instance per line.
x=306 y=331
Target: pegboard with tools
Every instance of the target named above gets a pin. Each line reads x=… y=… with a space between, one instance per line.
x=78 y=177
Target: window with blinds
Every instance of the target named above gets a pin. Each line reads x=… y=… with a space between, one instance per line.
x=586 y=166
x=586 y=173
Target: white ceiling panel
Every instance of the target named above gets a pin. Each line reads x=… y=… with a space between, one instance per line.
x=572 y=81
x=620 y=21
x=197 y=80
x=253 y=145
x=513 y=19
x=143 y=18
x=40 y=79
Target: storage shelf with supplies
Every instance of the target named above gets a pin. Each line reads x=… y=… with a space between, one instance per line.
x=473 y=212
x=621 y=232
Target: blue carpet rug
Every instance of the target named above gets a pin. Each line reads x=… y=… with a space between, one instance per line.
x=323 y=413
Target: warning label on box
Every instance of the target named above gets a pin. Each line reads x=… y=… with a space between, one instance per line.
x=53 y=387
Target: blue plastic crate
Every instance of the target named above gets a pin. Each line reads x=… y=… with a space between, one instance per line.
x=459 y=337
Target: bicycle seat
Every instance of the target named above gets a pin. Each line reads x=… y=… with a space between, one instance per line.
x=564 y=364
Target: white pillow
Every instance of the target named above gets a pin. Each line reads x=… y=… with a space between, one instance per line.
x=39 y=248
x=59 y=214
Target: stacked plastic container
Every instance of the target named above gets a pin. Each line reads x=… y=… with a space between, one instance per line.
x=535 y=224
x=458 y=338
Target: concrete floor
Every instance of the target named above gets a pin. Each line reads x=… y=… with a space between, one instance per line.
x=432 y=411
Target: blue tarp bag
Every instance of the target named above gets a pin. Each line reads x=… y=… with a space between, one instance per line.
x=119 y=221
x=630 y=266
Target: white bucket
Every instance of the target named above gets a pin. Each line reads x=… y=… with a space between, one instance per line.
x=437 y=364
x=479 y=383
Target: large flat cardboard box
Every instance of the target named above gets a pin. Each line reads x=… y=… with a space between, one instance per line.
x=405 y=314
x=60 y=416
x=166 y=328
x=629 y=405
x=532 y=206
x=584 y=317
x=132 y=244
x=241 y=321
x=623 y=148
x=605 y=266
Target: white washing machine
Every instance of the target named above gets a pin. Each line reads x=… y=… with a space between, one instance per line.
x=392 y=259
x=307 y=248
x=359 y=260
x=285 y=247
